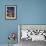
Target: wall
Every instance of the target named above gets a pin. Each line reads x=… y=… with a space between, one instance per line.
x=28 y=12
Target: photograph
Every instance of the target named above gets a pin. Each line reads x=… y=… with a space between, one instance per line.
x=10 y=12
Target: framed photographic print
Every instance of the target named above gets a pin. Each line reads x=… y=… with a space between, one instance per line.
x=10 y=11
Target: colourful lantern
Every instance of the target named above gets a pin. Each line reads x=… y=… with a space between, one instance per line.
x=12 y=36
